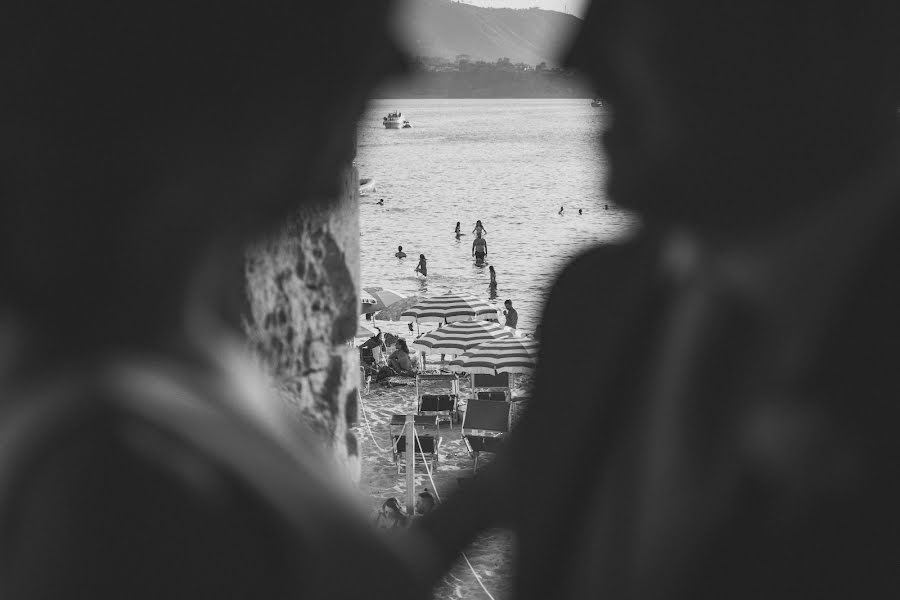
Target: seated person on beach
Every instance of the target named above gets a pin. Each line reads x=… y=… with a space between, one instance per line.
x=400 y=253
x=399 y=359
x=479 y=248
x=424 y=503
x=391 y=516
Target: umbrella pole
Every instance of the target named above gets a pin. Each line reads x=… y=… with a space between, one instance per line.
x=410 y=465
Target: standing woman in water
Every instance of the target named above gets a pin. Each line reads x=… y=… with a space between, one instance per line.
x=493 y=283
x=479 y=228
x=422 y=267
x=457 y=231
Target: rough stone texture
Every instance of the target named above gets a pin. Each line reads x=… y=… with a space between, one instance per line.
x=302 y=290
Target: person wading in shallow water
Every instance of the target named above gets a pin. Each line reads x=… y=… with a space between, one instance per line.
x=479 y=248
x=422 y=267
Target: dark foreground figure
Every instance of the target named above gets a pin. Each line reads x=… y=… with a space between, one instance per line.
x=144 y=145
x=726 y=425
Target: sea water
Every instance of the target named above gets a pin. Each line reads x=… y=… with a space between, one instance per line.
x=511 y=163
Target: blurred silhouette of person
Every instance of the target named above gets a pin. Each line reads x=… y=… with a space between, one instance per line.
x=561 y=209
x=736 y=436
x=457 y=230
x=144 y=146
x=493 y=273
x=400 y=253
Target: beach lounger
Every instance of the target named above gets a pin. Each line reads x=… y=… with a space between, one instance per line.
x=442 y=406
x=429 y=440
x=485 y=424
x=495 y=395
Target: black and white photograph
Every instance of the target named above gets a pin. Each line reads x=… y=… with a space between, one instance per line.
x=449 y=300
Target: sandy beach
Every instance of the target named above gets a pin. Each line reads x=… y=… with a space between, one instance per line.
x=491 y=554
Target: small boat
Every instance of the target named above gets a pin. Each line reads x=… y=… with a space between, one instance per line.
x=406 y=124
x=393 y=120
x=366 y=185
x=596 y=102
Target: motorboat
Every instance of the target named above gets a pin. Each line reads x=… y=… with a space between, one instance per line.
x=394 y=120
x=596 y=102
x=366 y=185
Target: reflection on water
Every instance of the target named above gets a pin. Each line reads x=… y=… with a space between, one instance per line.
x=509 y=163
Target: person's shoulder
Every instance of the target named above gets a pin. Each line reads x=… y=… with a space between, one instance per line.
x=633 y=257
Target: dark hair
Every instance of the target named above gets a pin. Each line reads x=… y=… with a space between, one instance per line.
x=507 y=302
x=199 y=77
x=399 y=248
x=402 y=343
x=491 y=268
x=392 y=504
x=428 y=498
x=422 y=256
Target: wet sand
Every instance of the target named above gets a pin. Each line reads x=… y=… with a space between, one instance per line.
x=491 y=554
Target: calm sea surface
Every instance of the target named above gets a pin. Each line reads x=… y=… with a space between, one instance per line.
x=510 y=163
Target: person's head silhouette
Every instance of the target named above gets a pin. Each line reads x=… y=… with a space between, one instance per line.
x=722 y=110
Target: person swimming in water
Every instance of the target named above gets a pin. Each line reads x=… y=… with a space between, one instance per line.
x=400 y=253
x=579 y=211
x=422 y=266
x=479 y=229
x=380 y=202
x=561 y=209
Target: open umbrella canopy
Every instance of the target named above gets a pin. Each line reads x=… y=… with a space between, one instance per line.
x=366 y=302
x=450 y=308
x=382 y=298
x=456 y=338
x=508 y=355
x=364 y=331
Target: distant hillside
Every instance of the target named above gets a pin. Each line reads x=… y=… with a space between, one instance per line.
x=441 y=28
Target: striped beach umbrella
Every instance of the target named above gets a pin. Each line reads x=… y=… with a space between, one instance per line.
x=383 y=298
x=508 y=355
x=450 y=308
x=458 y=337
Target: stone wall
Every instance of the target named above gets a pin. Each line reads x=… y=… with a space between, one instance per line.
x=302 y=289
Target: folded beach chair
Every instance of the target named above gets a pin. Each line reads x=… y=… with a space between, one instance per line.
x=495 y=395
x=441 y=406
x=485 y=424
x=428 y=442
